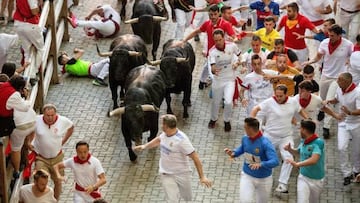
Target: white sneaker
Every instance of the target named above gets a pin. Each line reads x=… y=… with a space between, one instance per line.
x=282 y=188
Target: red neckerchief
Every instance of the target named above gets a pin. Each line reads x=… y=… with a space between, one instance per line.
x=256 y=136
x=56 y=117
x=305 y=102
x=356 y=47
x=278 y=101
x=333 y=46
x=221 y=49
x=326 y=34
x=350 y=88
x=79 y=161
x=310 y=139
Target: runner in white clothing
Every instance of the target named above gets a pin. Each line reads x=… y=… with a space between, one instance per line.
x=223 y=58
x=174 y=165
x=38 y=192
x=89 y=175
x=279 y=111
x=107 y=26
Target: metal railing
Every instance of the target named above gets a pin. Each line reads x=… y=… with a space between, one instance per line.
x=54 y=18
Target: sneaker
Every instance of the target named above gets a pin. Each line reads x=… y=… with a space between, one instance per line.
x=2 y=18
x=321 y=116
x=16 y=175
x=282 y=188
x=347 y=180
x=99 y=82
x=355 y=177
x=326 y=133
x=202 y=85
x=227 y=127
x=211 y=124
x=72 y=20
x=197 y=38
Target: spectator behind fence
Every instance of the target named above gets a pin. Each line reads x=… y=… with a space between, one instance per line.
x=10 y=99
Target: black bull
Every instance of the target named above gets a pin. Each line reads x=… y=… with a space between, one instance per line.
x=126 y=52
x=145 y=22
x=177 y=63
x=145 y=91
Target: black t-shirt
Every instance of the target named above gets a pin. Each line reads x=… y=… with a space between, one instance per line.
x=299 y=78
x=184 y=4
x=291 y=55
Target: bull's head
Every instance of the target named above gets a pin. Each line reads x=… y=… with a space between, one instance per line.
x=144 y=26
x=169 y=66
x=133 y=117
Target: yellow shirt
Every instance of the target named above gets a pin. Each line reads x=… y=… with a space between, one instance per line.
x=290 y=84
x=267 y=39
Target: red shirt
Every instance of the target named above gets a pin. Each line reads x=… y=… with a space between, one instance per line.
x=6 y=91
x=23 y=13
x=208 y=27
x=233 y=21
x=299 y=25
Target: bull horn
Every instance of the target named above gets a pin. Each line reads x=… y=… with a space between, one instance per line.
x=103 y=54
x=181 y=60
x=149 y=107
x=159 y=18
x=134 y=53
x=117 y=111
x=155 y=63
x=132 y=20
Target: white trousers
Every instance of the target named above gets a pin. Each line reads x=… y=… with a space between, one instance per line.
x=255 y=188
x=308 y=190
x=106 y=28
x=82 y=197
x=345 y=138
x=279 y=143
x=350 y=22
x=222 y=89
x=100 y=69
x=302 y=54
x=177 y=186
x=328 y=88
x=31 y=35
x=183 y=20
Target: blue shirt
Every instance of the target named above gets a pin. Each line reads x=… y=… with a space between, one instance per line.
x=316 y=171
x=261 y=14
x=258 y=151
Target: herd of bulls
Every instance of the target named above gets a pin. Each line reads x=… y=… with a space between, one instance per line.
x=143 y=85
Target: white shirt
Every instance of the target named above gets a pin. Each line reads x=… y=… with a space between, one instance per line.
x=223 y=60
x=7 y=41
x=307 y=8
x=27 y=196
x=312 y=109
x=24 y=117
x=335 y=63
x=354 y=68
x=246 y=57
x=278 y=116
x=48 y=139
x=16 y=102
x=349 y=5
x=109 y=11
x=85 y=174
x=174 y=153
x=352 y=101
x=259 y=89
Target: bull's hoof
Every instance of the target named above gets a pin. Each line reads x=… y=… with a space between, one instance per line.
x=132 y=156
x=185 y=115
x=108 y=114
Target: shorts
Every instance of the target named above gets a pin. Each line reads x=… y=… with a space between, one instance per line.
x=18 y=136
x=48 y=165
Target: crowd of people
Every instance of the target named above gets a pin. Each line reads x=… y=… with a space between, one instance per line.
x=278 y=85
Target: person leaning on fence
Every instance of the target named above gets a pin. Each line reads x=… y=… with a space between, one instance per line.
x=10 y=99
x=27 y=18
x=75 y=66
x=39 y=191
